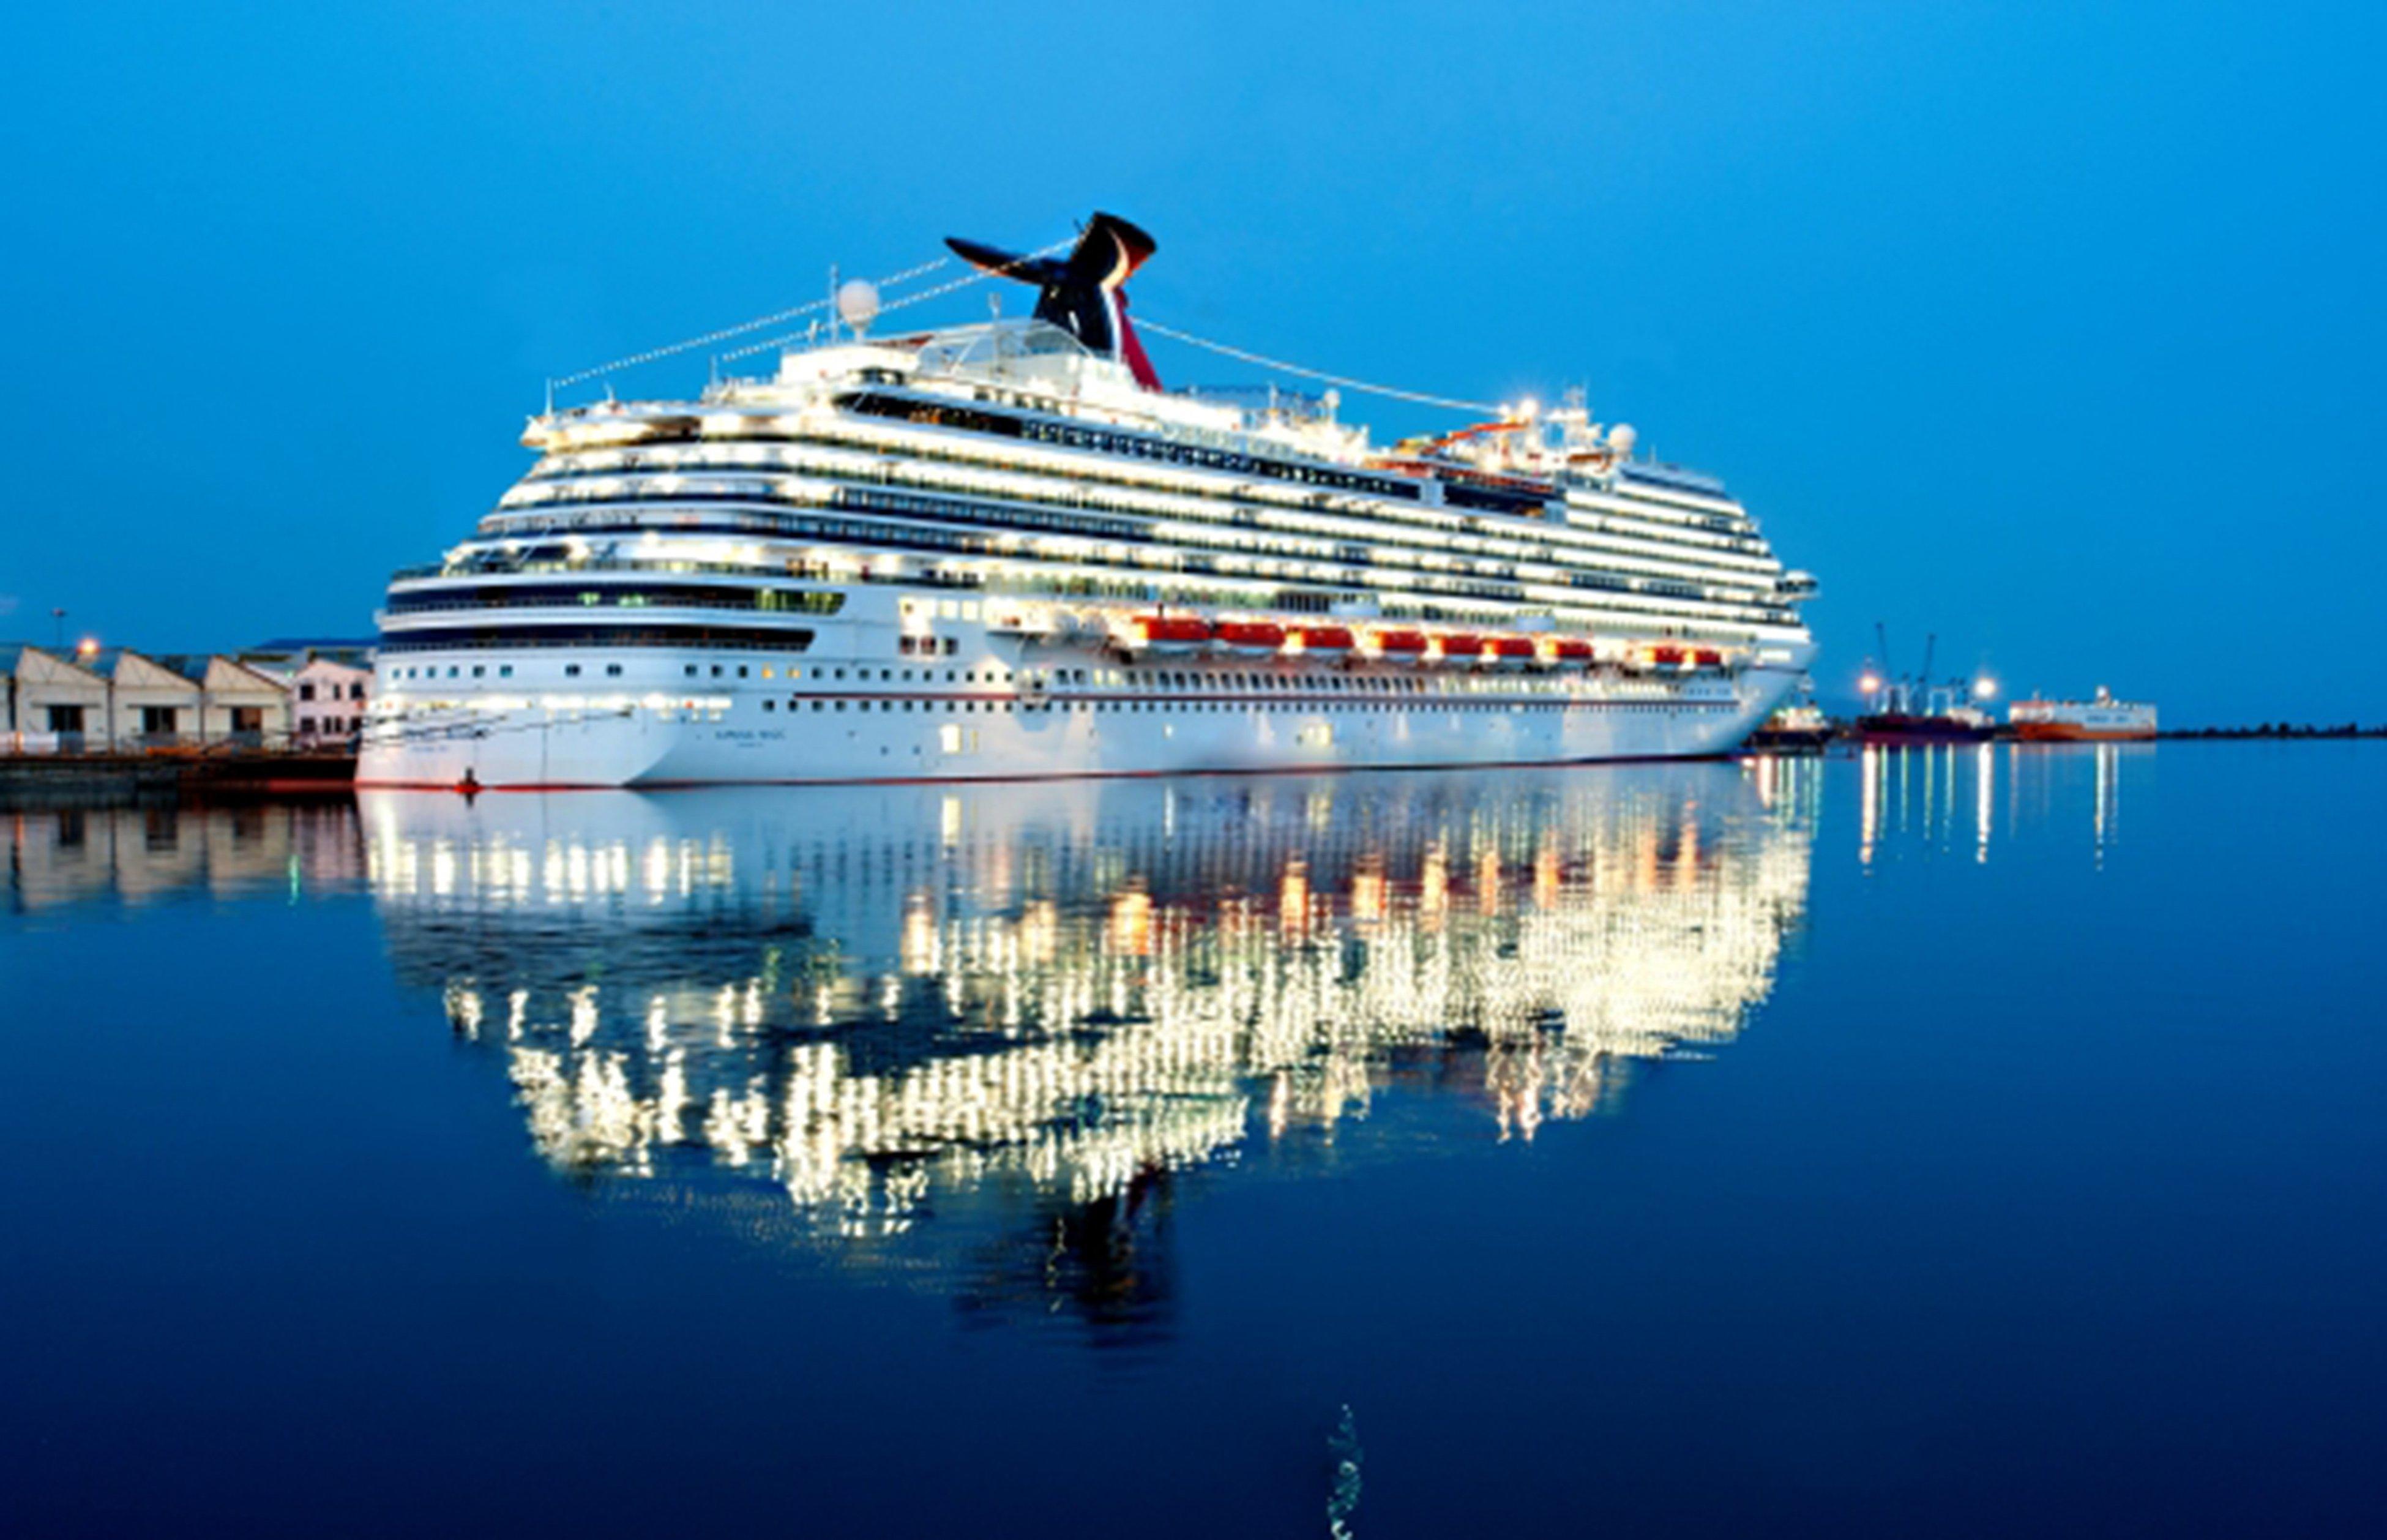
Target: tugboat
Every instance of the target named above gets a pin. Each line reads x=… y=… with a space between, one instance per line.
x=1799 y=726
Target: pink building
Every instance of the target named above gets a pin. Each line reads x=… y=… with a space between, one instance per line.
x=327 y=702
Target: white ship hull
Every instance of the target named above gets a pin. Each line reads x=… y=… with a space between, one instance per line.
x=974 y=719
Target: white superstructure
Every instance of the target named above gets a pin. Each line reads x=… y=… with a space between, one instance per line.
x=999 y=550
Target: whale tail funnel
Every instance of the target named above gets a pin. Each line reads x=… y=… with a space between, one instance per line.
x=1083 y=293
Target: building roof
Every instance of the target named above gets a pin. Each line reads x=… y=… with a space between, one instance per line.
x=31 y=662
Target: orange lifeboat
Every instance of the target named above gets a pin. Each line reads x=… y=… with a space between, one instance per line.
x=1707 y=657
x=1248 y=638
x=1400 y=647
x=1461 y=646
x=1668 y=657
x=1510 y=652
x=1567 y=652
x=1168 y=634
x=1331 y=640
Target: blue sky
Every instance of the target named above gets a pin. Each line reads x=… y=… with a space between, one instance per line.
x=2057 y=330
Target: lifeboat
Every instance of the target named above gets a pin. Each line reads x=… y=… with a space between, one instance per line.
x=1400 y=647
x=1510 y=652
x=1167 y=634
x=1331 y=640
x=1248 y=638
x=1458 y=648
x=1707 y=657
x=1566 y=652
x=1668 y=657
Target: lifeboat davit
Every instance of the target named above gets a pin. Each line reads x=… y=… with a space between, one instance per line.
x=1400 y=647
x=1331 y=640
x=1460 y=648
x=1248 y=638
x=1168 y=635
x=1567 y=652
x=1508 y=652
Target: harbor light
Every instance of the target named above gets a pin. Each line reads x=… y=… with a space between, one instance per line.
x=87 y=648
x=1869 y=683
x=1984 y=687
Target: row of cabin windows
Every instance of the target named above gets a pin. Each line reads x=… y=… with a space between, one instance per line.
x=1537 y=547
x=964 y=510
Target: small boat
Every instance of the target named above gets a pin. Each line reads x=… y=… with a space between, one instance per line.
x=1510 y=652
x=1400 y=647
x=1248 y=638
x=1458 y=647
x=1167 y=634
x=1799 y=727
x=1566 y=652
x=1333 y=641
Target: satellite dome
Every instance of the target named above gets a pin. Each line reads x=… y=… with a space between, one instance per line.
x=1622 y=438
x=857 y=303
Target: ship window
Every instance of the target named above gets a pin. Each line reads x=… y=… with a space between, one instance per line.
x=770 y=705
x=716 y=671
x=571 y=671
x=689 y=670
x=741 y=671
x=613 y=671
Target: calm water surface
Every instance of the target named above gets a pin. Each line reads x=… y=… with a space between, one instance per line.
x=1951 y=1143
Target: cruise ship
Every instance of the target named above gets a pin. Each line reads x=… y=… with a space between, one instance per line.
x=1004 y=550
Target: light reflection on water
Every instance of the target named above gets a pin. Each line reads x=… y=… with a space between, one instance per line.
x=901 y=1023
x=977 y=1037
x=2040 y=1195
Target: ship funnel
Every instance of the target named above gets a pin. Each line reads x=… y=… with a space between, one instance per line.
x=1083 y=293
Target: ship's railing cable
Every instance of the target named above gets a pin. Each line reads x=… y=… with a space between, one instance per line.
x=936 y=292
x=1146 y=323
x=774 y=319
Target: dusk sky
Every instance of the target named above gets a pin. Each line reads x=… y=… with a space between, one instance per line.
x=2057 y=330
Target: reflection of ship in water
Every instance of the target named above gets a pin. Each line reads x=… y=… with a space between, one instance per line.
x=914 y=1023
